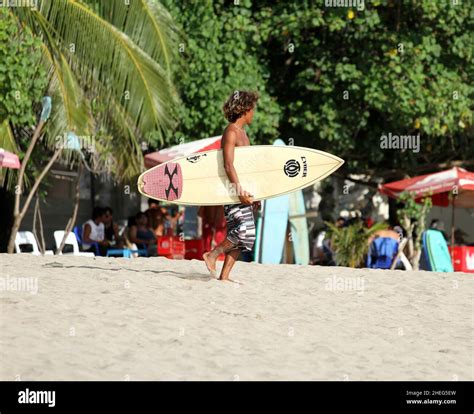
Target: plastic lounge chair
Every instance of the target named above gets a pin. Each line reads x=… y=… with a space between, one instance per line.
x=138 y=251
x=70 y=240
x=28 y=238
x=382 y=252
x=132 y=247
x=127 y=253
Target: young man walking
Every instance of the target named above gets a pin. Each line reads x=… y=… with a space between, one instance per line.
x=238 y=110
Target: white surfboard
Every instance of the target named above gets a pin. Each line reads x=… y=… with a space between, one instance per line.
x=265 y=171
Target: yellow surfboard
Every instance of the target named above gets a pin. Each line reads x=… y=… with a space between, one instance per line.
x=265 y=171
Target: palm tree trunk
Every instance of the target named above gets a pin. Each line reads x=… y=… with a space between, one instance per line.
x=40 y=236
x=24 y=162
x=72 y=220
x=19 y=187
x=41 y=232
x=19 y=215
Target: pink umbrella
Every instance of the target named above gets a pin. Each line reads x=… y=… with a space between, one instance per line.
x=8 y=160
x=182 y=150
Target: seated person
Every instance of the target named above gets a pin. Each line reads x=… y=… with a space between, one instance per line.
x=142 y=235
x=392 y=234
x=460 y=238
x=439 y=225
x=155 y=217
x=174 y=221
x=93 y=231
x=112 y=230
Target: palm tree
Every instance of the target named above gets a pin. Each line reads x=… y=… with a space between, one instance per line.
x=351 y=243
x=109 y=66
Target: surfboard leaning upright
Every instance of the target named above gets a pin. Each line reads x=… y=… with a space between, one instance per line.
x=265 y=171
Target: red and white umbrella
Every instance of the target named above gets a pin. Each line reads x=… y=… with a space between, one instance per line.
x=453 y=187
x=182 y=150
x=456 y=181
x=8 y=159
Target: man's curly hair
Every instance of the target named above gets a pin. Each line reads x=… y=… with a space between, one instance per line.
x=238 y=104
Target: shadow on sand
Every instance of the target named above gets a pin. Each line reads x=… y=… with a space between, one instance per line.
x=202 y=277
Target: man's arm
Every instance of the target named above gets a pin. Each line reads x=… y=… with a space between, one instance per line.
x=86 y=234
x=228 y=150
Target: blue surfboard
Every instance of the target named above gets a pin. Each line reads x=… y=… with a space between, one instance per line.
x=271 y=228
x=299 y=228
x=435 y=254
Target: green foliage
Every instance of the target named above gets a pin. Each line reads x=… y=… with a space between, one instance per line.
x=406 y=68
x=351 y=243
x=411 y=209
x=221 y=51
x=412 y=216
x=22 y=81
x=108 y=65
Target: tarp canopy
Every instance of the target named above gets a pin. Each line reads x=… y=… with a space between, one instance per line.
x=439 y=186
x=182 y=150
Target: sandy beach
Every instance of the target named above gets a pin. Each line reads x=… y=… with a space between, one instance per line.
x=79 y=318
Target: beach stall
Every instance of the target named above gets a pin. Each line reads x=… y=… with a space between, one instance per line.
x=453 y=188
x=194 y=245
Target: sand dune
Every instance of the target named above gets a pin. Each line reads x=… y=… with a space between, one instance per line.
x=158 y=319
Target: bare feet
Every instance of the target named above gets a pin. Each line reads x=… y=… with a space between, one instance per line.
x=210 y=263
x=226 y=279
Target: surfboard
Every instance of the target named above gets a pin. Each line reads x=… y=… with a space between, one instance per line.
x=258 y=234
x=265 y=171
x=436 y=253
x=299 y=228
x=271 y=231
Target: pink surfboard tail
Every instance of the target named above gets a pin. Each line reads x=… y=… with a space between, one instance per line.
x=164 y=182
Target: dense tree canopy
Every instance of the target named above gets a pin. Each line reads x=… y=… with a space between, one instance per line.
x=335 y=78
x=219 y=45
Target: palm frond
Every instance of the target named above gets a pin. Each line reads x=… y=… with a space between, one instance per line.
x=148 y=24
x=120 y=67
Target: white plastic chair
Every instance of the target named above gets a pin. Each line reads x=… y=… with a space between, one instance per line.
x=27 y=237
x=71 y=239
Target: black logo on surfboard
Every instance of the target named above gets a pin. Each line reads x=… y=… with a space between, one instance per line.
x=292 y=168
x=171 y=185
x=195 y=158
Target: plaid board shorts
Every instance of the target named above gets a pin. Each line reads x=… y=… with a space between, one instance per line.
x=240 y=225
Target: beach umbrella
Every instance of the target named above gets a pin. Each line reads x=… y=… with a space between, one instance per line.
x=453 y=187
x=182 y=150
x=8 y=159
